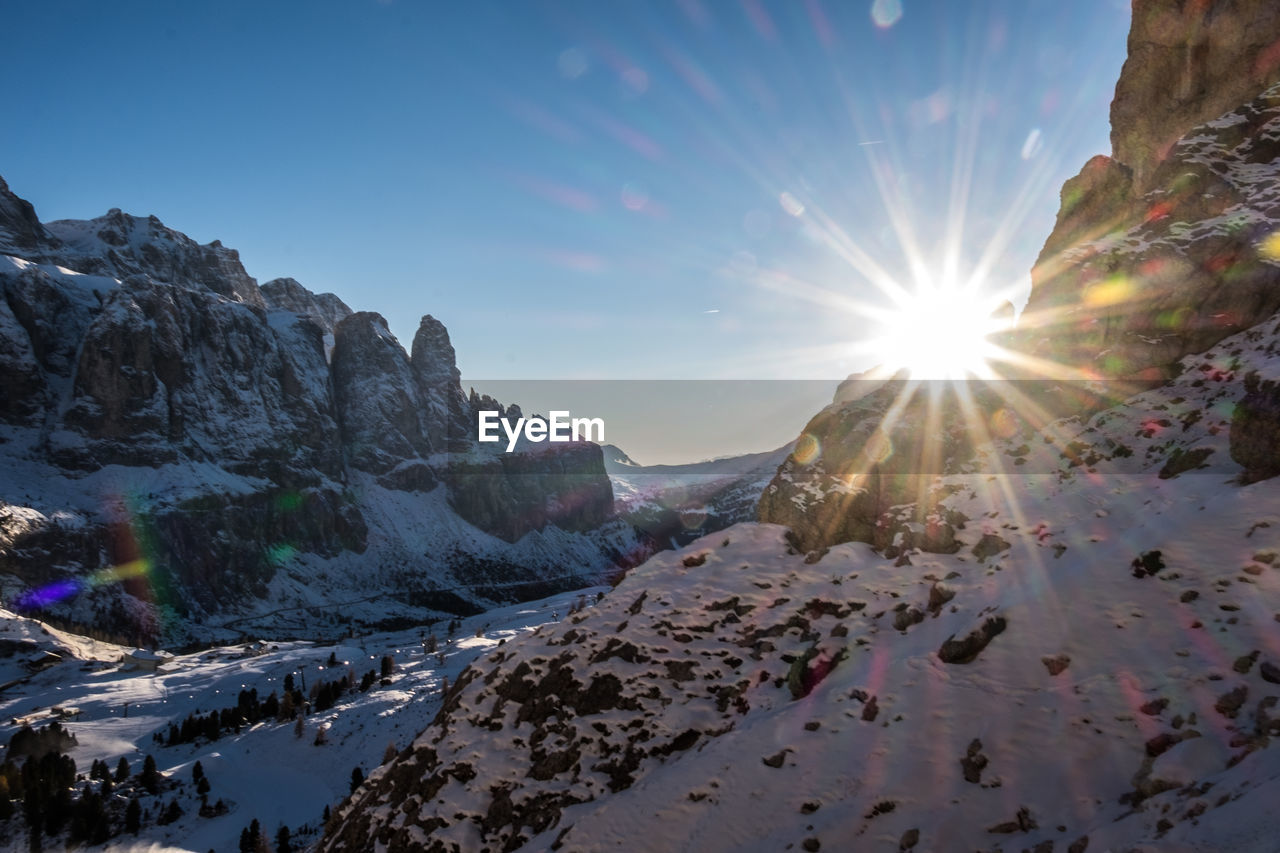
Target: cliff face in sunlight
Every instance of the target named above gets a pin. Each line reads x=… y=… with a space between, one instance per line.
x=1159 y=252
x=1188 y=62
x=1162 y=249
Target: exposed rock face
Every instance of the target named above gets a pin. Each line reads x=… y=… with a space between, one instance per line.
x=20 y=230
x=509 y=494
x=1255 y=429
x=856 y=475
x=378 y=404
x=22 y=387
x=1160 y=250
x=167 y=371
x=1188 y=62
x=125 y=343
x=325 y=309
x=435 y=371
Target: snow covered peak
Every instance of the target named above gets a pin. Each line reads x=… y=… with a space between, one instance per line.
x=326 y=309
x=120 y=245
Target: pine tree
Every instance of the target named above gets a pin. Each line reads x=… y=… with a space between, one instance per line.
x=249 y=837
x=150 y=777
x=171 y=813
x=197 y=772
x=357 y=778
x=122 y=769
x=389 y=753
x=282 y=840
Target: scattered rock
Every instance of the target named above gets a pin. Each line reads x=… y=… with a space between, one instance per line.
x=1056 y=664
x=777 y=758
x=1244 y=663
x=989 y=545
x=939 y=595
x=1228 y=704
x=1147 y=563
x=1180 y=461
x=973 y=762
x=1269 y=672
x=1022 y=822
x=906 y=617
x=967 y=649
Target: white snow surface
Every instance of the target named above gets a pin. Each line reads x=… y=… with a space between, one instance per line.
x=264 y=772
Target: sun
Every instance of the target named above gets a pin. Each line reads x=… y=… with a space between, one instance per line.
x=939 y=332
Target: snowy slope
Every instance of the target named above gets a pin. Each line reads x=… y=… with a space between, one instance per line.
x=264 y=772
x=1129 y=710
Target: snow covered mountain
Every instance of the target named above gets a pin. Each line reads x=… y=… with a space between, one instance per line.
x=1091 y=663
x=1031 y=615
x=674 y=504
x=180 y=447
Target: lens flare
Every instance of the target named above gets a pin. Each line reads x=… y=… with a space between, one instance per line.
x=886 y=13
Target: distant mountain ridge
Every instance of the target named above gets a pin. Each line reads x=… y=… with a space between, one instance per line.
x=675 y=504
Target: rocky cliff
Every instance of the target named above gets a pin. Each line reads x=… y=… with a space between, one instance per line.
x=324 y=309
x=1162 y=249
x=1159 y=252
x=235 y=433
x=1188 y=62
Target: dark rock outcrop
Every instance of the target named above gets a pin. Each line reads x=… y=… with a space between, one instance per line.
x=856 y=476
x=20 y=229
x=967 y=649
x=1255 y=429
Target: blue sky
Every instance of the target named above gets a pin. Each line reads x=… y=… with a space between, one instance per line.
x=577 y=189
